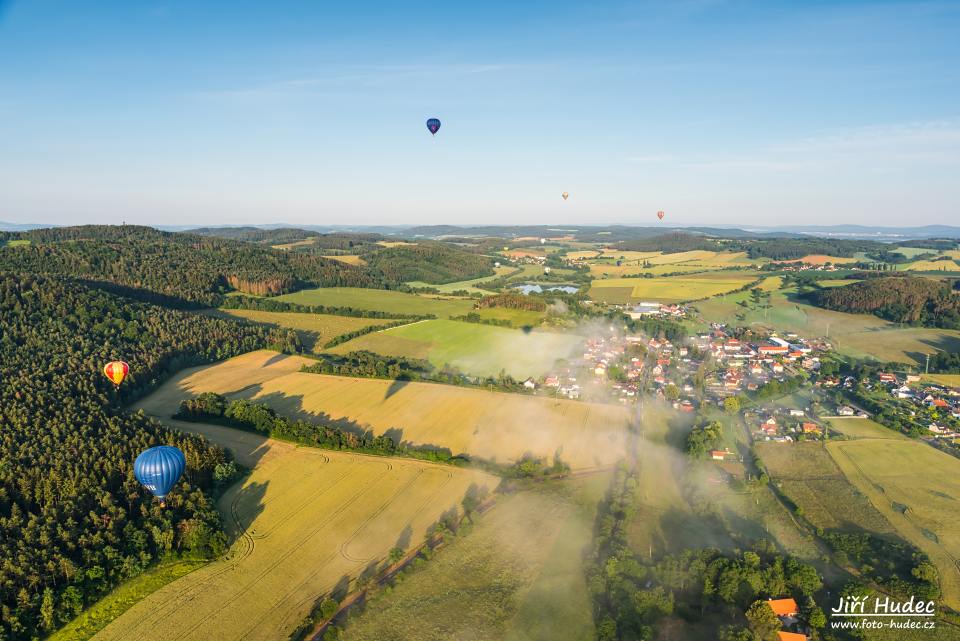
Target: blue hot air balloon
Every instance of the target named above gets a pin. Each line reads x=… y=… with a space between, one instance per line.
x=433 y=125
x=159 y=468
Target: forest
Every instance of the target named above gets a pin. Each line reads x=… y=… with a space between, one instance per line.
x=196 y=270
x=428 y=262
x=901 y=299
x=74 y=522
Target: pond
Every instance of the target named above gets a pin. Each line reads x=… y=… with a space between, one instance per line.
x=528 y=288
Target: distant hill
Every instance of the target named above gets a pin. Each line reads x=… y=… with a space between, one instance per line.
x=901 y=299
x=429 y=262
x=169 y=267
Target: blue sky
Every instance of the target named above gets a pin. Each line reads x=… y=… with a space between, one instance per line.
x=313 y=112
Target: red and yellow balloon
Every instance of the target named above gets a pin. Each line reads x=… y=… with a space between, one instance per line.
x=116 y=371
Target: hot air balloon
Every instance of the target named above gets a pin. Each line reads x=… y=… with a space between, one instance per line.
x=159 y=468
x=660 y=215
x=433 y=125
x=543 y=241
x=116 y=371
x=565 y=195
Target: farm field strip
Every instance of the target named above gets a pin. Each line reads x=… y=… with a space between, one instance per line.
x=381 y=300
x=668 y=290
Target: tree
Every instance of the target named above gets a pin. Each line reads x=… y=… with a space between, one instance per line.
x=47 y=610
x=731 y=405
x=763 y=623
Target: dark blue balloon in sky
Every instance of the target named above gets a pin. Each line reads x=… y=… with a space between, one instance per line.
x=433 y=125
x=159 y=468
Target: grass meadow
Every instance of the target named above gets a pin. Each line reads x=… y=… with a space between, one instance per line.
x=516 y=575
x=481 y=350
x=921 y=509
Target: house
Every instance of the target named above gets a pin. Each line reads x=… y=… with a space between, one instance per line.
x=790 y=636
x=888 y=378
x=810 y=428
x=913 y=378
x=796 y=412
x=773 y=349
x=718 y=455
x=777 y=368
x=530 y=384
x=600 y=370
x=845 y=410
x=756 y=369
x=686 y=406
x=784 y=608
x=552 y=381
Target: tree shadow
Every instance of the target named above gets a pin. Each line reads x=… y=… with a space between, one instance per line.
x=406 y=536
x=395 y=386
x=241 y=505
x=276 y=358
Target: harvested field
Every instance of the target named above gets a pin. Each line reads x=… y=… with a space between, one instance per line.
x=823 y=259
x=667 y=290
x=303 y=522
x=950 y=380
x=348 y=259
x=864 y=428
x=491 y=425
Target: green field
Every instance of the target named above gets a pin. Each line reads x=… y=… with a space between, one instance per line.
x=481 y=350
x=16 y=243
x=858 y=335
x=950 y=380
x=917 y=489
x=864 y=428
x=516 y=576
x=672 y=289
x=807 y=474
x=381 y=300
x=314 y=330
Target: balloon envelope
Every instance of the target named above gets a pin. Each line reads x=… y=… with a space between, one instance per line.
x=660 y=215
x=159 y=468
x=116 y=371
x=433 y=125
x=565 y=195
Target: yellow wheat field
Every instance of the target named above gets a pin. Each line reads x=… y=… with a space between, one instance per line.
x=492 y=425
x=304 y=519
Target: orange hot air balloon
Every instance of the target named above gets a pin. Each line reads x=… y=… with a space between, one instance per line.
x=660 y=215
x=116 y=371
x=565 y=195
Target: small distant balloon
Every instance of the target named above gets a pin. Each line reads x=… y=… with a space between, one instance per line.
x=565 y=195
x=116 y=371
x=660 y=215
x=543 y=241
x=433 y=125
x=159 y=468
